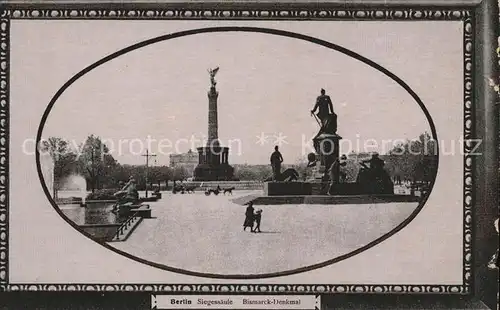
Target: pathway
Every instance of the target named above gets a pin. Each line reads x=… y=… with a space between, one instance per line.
x=205 y=234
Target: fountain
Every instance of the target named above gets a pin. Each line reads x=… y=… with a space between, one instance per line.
x=77 y=183
x=47 y=166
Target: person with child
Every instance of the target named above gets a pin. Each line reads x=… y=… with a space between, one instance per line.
x=257 y=218
x=249 y=217
x=252 y=216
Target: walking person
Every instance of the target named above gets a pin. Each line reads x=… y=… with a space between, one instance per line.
x=276 y=160
x=249 y=217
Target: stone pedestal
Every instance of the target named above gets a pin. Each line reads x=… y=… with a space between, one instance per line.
x=327 y=151
x=213 y=164
x=287 y=189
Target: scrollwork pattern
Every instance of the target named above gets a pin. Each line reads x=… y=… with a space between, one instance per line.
x=468 y=147
x=180 y=13
x=245 y=288
x=463 y=15
x=4 y=149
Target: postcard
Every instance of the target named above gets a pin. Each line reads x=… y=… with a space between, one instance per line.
x=250 y=156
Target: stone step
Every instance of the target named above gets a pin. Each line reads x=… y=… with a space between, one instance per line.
x=325 y=199
x=316 y=188
x=238 y=185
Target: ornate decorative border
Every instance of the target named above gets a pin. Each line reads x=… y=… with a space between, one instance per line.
x=265 y=14
x=247 y=288
x=443 y=14
x=4 y=149
x=468 y=219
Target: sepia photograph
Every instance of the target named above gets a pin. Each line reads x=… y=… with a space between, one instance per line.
x=242 y=150
x=202 y=142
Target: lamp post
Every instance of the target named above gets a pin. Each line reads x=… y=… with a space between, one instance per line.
x=147 y=155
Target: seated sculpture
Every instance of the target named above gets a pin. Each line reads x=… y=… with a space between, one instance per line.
x=373 y=178
x=128 y=195
x=288 y=175
x=330 y=124
x=329 y=127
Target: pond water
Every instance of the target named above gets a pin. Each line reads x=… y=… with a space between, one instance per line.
x=69 y=193
x=92 y=214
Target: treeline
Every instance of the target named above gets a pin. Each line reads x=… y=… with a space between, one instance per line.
x=246 y=172
x=94 y=162
x=414 y=160
x=100 y=170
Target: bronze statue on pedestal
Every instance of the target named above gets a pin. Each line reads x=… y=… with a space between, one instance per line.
x=326 y=115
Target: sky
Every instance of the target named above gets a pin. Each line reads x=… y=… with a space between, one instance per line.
x=267 y=85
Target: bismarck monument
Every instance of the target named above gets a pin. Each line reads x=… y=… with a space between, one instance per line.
x=213 y=159
x=327 y=162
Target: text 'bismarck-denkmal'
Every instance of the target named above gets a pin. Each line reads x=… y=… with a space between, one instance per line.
x=271 y=301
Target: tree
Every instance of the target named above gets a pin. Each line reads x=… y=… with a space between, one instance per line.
x=153 y=175
x=119 y=173
x=160 y=173
x=244 y=173
x=414 y=160
x=180 y=173
x=95 y=162
x=63 y=157
x=247 y=172
x=166 y=174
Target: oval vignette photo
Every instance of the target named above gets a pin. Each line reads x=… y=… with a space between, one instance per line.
x=237 y=153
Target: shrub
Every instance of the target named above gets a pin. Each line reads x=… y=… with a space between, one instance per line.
x=102 y=194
